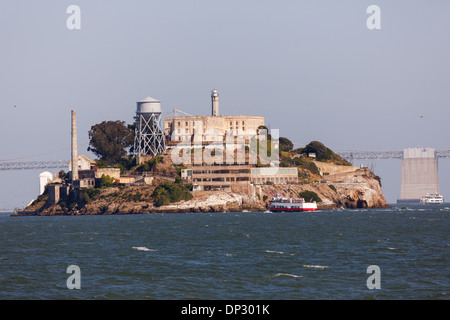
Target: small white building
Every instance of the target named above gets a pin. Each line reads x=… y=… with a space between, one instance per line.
x=84 y=163
x=44 y=178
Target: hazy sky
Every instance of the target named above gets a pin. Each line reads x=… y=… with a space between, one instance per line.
x=312 y=68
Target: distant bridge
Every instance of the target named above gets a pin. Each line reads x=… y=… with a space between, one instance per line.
x=348 y=155
x=16 y=164
x=386 y=155
x=419 y=168
x=34 y=165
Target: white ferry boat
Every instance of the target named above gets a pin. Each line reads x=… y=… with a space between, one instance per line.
x=432 y=198
x=280 y=204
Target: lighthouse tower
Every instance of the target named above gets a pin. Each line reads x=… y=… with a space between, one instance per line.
x=215 y=103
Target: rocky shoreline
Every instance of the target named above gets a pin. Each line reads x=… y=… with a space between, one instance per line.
x=354 y=189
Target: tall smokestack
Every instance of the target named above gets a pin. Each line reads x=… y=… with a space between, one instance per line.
x=215 y=103
x=74 y=147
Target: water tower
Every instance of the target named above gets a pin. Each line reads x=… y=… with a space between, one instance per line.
x=149 y=133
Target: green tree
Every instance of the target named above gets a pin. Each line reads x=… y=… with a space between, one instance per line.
x=323 y=153
x=285 y=144
x=310 y=196
x=149 y=165
x=106 y=181
x=168 y=192
x=126 y=163
x=110 y=140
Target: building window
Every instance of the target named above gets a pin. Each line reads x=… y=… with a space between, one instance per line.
x=179 y=123
x=243 y=123
x=186 y=131
x=231 y=123
x=243 y=128
x=186 y=123
x=237 y=123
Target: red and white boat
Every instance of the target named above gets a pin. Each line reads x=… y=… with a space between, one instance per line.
x=280 y=204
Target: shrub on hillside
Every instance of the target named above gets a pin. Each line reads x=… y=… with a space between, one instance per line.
x=323 y=153
x=299 y=162
x=168 y=192
x=149 y=165
x=106 y=182
x=310 y=196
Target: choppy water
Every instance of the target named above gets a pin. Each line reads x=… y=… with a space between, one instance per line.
x=285 y=256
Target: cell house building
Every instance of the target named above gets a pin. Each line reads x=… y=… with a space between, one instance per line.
x=211 y=128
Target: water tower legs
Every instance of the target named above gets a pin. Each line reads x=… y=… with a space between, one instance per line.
x=149 y=136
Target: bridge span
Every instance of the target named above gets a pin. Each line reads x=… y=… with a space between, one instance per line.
x=349 y=155
x=419 y=167
x=383 y=155
x=34 y=165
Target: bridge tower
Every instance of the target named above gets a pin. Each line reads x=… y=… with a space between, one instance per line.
x=419 y=174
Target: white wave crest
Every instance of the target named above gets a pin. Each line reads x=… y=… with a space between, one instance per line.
x=288 y=275
x=397 y=250
x=315 y=266
x=278 y=252
x=143 y=249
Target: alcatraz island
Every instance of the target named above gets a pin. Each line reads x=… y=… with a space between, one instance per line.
x=213 y=163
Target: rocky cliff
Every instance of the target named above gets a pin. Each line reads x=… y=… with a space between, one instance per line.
x=356 y=188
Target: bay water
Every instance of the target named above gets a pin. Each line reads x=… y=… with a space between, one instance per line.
x=233 y=255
